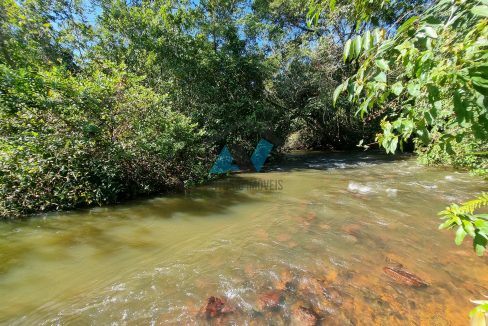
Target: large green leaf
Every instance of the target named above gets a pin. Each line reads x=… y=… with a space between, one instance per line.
x=397 y=88
x=347 y=49
x=357 y=46
x=480 y=11
x=413 y=89
x=479 y=244
x=460 y=235
x=338 y=91
x=367 y=41
x=382 y=64
x=381 y=77
x=332 y=4
x=407 y=24
x=430 y=32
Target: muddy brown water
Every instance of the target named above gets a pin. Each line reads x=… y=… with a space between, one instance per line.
x=319 y=229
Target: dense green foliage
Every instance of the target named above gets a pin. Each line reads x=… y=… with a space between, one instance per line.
x=430 y=80
x=107 y=100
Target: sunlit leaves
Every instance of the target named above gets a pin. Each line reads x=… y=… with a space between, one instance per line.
x=347 y=50
x=427 y=73
x=342 y=87
x=397 y=88
x=413 y=89
x=468 y=223
x=361 y=44
x=357 y=45
x=480 y=10
x=430 y=32
x=381 y=77
x=407 y=24
x=382 y=64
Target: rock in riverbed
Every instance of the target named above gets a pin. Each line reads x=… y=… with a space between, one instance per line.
x=402 y=276
x=215 y=308
x=304 y=316
x=270 y=300
x=285 y=282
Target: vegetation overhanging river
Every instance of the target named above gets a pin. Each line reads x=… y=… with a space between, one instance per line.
x=321 y=235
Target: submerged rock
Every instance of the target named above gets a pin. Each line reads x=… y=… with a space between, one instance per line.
x=285 y=282
x=270 y=300
x=283 y=237
x=302 y=315
x=215 y=308
x=402 y=276
x=324 y=226
x=311 y=216
x=352 y=229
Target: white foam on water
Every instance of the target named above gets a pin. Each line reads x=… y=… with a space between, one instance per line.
x=391 y=192
x=358 y=188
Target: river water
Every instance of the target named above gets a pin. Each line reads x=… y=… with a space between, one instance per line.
x=318 y=229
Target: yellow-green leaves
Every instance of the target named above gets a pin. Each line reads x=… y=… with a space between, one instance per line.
x=460 y=235
x=407 y=24
x=468 y=223
x=397 y=88
x=480 y=10
x=357 y=44
x=382 y=64
x=361 y=44
x=478 y=317
x=430 y=32
x=341 y=88
x=413 y=89
x=381 y=77
x=332 y=4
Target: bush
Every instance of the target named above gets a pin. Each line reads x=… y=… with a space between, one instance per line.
x=69 y=141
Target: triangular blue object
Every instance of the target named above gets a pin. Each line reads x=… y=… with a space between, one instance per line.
x=261 y=153
x=223 y=163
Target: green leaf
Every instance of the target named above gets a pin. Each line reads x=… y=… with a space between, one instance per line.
x=430 y=32
x=397 y=88
x=357 y=46
x=479 y=244
x=381 y=77
x=469 y=228
x=407 y=24
x=393 y=145
x=367 y=40
x=480 y=84
x=338 y=91
x=446 y=224
x=332 y=4
x=413 y=89
x=460 y=235
x=376 y=35
x=459 y=107
x=382 y=64
x=347 y=49
x=480 y=11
